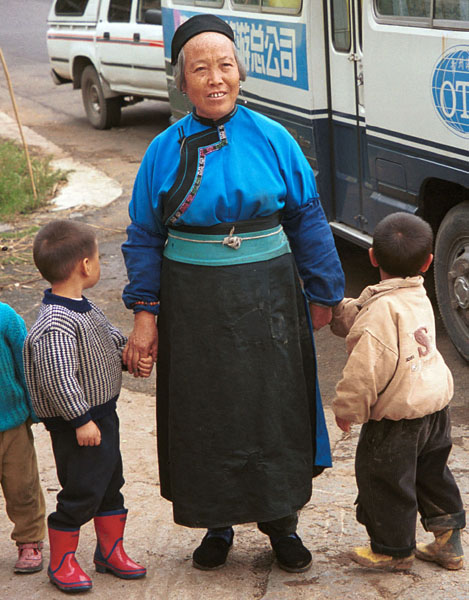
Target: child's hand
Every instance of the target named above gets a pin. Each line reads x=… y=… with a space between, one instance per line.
x=343 y=424
x=88 y=434
x=145 y=366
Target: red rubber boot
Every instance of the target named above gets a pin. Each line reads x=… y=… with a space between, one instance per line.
x=64 y=570
x=110 y=554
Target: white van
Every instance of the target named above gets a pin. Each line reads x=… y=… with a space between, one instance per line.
x=376 y=92
x=112 y=50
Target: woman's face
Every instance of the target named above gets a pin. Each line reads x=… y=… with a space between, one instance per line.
x=211 y=74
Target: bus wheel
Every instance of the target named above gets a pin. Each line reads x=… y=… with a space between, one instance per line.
x=452 y=275
x=102 y=112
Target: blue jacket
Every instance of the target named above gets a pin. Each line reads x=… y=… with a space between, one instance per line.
x=15 y=404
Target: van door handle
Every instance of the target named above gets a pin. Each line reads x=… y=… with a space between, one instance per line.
x=106 y=35
x=136 y=37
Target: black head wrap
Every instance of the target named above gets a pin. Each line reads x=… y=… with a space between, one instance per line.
x=194 y=26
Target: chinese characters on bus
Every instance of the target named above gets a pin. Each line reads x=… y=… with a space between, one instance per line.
x=271 y=50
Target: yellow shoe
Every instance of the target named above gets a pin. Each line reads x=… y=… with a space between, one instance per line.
x=446 y=550
x=367 y=558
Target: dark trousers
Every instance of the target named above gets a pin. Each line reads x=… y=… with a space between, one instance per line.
x=279 y=527
x=90 y=476
x=401 y=470
x=275 y=529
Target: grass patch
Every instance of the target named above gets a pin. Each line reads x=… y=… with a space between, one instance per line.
x=16 y=194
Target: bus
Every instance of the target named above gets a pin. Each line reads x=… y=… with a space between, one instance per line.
x=376 y=93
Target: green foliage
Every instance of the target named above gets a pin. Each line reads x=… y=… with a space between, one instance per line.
x=16 y=194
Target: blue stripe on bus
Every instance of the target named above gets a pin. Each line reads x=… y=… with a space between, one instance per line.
x=417 y=140
x=370 y=129
x=353 y=117
x=305 y=111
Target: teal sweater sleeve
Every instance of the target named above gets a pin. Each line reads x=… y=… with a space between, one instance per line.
x=15 y=405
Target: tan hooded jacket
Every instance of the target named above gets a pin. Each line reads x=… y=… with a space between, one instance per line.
x=394 y=369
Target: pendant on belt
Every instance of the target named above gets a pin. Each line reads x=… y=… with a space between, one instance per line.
x=233 y=241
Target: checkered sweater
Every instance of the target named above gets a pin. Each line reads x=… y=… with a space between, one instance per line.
x=72 y=361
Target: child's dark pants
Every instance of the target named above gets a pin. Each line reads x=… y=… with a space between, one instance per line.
x=401 y=469
x=90 y=476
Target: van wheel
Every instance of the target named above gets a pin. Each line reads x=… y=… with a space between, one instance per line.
x=102 y=112
x=452 y=275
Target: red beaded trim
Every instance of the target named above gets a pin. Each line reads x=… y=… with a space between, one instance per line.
x=143 y=303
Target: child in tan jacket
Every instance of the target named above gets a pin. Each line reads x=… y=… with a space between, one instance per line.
x=398 y=386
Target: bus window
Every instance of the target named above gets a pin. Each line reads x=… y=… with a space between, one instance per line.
x=284 y=6
x=340 y=16
x=452 y=10
x=209 y=3
x=293 y=5
x=241 y=3
x=404 y=8
x=360 y=24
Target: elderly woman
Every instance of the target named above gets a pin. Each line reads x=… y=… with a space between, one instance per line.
x=225 y=215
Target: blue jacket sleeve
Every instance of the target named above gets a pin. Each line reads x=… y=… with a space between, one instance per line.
x=16 y=335
x=308 y=231
x=146 y=237
x=315 y=253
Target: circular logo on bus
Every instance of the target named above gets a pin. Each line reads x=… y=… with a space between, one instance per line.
x=450 y=89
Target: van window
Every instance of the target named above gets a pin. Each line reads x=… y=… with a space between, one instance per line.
x=404 y=8
x=144 y=5
x=452 y=10
x=119 y=11
x=340 y=16
x=70 y=7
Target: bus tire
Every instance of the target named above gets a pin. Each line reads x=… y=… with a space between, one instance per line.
x=452 y=275
x=102 y=113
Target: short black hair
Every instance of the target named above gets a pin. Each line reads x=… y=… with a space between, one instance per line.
x=60 y=245
x=402 y=243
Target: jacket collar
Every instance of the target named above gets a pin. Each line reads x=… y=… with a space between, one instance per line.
x=212 y=122
x=385 y=286
x=80 y=306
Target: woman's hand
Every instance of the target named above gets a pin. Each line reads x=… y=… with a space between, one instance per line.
x=143 y=341
x=320 y=315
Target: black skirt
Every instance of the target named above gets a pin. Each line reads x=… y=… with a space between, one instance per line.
x=236 y=392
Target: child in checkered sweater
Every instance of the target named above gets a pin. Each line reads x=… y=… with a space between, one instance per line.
x=73 y=367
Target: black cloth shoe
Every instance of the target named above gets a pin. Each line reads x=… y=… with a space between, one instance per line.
x=291 y=554
x=212 y=552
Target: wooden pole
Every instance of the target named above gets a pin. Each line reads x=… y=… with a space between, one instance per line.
x=15 y=108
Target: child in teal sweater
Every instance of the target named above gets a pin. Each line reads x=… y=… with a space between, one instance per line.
x=19 y=475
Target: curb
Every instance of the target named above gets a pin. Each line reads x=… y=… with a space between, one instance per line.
x=86 y=185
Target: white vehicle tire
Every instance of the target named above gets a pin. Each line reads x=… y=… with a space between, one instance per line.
x=452 y=275
x=102 y=113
